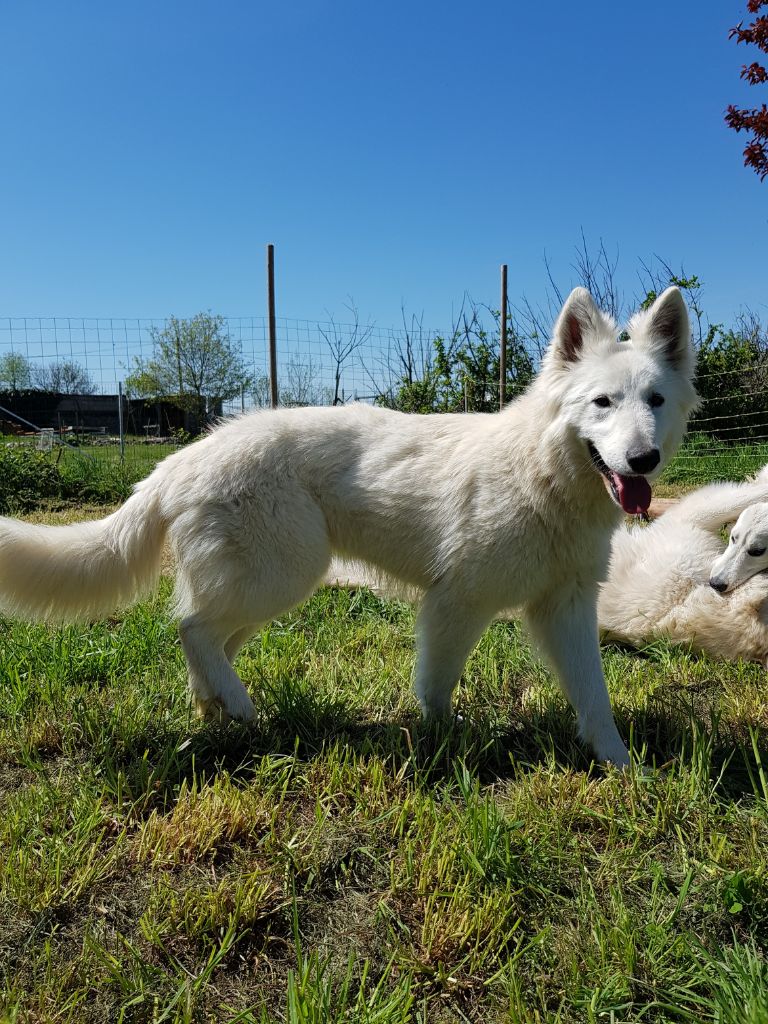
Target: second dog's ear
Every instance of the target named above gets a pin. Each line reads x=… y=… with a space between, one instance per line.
x=666 y=327
x=578 y=318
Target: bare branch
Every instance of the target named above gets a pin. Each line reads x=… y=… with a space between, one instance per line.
x=343 y=343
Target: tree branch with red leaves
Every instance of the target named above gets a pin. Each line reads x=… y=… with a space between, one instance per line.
x=753 y=121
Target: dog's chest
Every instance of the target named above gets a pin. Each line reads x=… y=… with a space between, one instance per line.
x=536 y=551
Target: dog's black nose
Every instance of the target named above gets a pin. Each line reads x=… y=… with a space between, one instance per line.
x=718 y=585
x=645 y=461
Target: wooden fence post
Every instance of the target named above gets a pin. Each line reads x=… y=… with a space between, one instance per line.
x=272 y=326
x=503 y=340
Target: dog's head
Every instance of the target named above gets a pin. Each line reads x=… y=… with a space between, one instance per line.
x=626 y=401
x=747 y=551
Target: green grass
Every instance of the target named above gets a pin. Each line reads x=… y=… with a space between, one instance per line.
x=338 y=861
x=99 y=473
x=143 y=456
x=702 y=458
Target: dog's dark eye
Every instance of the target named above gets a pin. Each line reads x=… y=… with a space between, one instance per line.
x=656 y=400
x=602 y=400
x=755 y=552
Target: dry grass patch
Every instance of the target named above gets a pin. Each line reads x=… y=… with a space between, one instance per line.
x=204 y=823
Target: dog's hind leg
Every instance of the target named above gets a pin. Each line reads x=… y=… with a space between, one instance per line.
x=566 y=629
x=446 y=631
x=230 y=580
x=215 y=686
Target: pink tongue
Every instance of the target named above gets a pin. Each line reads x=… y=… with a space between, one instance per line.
x=634 y=493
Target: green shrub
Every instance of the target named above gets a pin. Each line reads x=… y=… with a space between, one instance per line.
x=88 y=478
x=26 y=477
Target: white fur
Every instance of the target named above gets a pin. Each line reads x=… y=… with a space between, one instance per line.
x=659 y=576
x=747 y=551
x=476 y=512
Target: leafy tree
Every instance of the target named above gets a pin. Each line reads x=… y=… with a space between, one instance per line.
x=195 y=366
x=753 y=121
x=732 y=380
x=15 y=372
x=463 y=369
x=65 y=378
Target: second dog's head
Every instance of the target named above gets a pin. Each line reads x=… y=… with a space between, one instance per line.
x=747 y=551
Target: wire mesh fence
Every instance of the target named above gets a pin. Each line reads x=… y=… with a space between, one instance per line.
x=68 y=389
x=106 y=351
x=71 y=386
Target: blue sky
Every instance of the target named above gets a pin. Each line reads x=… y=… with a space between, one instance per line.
x=396 y=153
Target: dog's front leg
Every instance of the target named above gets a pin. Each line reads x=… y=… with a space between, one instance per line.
x=566 y=628
x=447 y=628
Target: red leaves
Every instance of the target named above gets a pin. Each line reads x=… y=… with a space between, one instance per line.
x=754 y=121
x=756 y=32
x=754 y=73
x=756 y=157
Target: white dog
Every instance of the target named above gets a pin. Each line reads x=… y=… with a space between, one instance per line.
x=477 y=512
x=662 y=581
x=747 y=551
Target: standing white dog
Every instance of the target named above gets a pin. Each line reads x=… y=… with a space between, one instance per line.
x=478 y=512
x=672 y=579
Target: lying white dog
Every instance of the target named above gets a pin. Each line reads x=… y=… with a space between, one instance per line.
x=478 y=513
x=662 y=581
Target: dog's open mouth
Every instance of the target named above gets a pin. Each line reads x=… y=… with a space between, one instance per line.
x=632 y=493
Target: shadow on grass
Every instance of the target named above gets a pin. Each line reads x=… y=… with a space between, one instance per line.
x=304 y=725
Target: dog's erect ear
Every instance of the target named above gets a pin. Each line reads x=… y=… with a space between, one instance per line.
x=666 y=329
x=578 y=317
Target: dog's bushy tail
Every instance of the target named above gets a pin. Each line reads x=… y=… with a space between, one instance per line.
x=63 y=573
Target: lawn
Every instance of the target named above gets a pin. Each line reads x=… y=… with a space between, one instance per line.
x=702 y=458
x=338 y=861
x=100 y=470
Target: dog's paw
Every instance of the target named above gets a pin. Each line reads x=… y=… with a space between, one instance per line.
x=212 y=711
x=612 y=751
x=240 y=708
x=215 y=710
